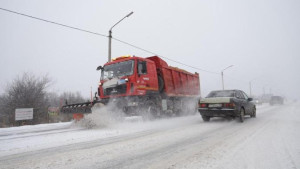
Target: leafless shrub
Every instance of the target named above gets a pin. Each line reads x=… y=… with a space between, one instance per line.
x=26 y=91
x=72 y=97
x=30 y=91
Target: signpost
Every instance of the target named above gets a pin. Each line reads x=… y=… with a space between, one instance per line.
x=24 y=114
x=53 y=111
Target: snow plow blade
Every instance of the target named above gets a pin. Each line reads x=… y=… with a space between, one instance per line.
x=78 y=108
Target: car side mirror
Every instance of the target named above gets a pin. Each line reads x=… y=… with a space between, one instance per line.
x=250 y=99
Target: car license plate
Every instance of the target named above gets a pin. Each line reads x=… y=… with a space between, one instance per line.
x=215 y=105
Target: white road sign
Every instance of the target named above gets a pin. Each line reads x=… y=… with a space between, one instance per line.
x=24 y=114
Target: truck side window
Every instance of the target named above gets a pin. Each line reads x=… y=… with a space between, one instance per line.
x=142 y=67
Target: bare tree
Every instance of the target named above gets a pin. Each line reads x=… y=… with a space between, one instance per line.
x=4 y=116
x=54 y=99
x=72 y=97
x=27 y=91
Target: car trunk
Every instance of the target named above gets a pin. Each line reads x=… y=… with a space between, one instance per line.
x=216 y=100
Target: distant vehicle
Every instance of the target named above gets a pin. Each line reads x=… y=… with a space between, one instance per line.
x=257 y=101
x=226 y=103
x=276 y=100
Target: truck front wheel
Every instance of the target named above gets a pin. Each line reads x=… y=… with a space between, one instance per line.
x=150 y=111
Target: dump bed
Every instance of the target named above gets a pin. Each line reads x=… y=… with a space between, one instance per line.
x=177 y=82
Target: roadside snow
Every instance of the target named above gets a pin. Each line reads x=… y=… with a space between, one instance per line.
x=30 y=138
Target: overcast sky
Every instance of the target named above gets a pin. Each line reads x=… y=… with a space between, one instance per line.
x=261 y=38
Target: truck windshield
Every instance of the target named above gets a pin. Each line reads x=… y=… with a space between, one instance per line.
x=117 y=70
x=224 y=93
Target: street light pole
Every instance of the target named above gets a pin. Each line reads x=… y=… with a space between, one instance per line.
x=110 y=35
x=222 y=80
x=222 y=74
x=109 y=46
x=250 y=85
x=250 y=89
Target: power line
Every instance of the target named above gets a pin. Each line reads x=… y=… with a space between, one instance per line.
x=95 y=33
x=145 y=50
x=44 y=20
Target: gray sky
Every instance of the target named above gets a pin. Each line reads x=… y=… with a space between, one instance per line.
x=261 y=38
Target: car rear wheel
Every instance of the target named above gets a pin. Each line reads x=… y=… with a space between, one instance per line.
x=205 y=118
x=242 y=115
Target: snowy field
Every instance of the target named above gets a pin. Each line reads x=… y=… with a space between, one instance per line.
x=272 y=141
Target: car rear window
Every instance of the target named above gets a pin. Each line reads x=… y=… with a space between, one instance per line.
x=221 y=94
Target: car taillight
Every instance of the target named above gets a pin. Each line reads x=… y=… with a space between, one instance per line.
x=229 y=105
x=203 y=105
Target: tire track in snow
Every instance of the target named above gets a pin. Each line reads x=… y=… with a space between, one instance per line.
x=37 y=133
x=18 y=159
x=220 y=147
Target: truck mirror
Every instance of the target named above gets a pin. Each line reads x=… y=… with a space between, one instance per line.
x=99 y=68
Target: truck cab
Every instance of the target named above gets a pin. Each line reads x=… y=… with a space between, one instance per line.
x=127 y=76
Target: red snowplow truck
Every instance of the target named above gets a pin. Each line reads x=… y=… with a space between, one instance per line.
x=144 y=86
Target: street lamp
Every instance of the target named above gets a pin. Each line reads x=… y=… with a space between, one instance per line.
x=110 y=36
x=251 y=86
x=222 y=75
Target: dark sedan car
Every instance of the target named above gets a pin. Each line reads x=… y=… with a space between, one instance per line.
x=226 y=103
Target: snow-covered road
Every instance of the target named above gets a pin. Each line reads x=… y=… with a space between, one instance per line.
x=272 y=140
